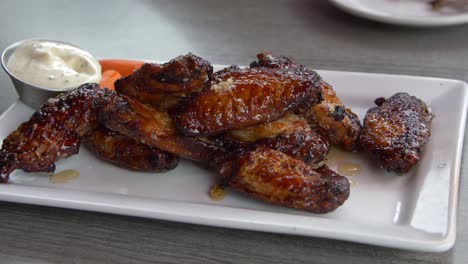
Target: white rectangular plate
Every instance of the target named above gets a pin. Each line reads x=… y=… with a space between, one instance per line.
x=413 y=211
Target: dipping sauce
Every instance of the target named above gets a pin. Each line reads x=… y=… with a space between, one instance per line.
x=53 y=65
x=63 y=176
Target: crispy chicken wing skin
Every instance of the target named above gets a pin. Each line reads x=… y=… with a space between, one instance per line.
x=285 y=125
x=53 y=132
x=240 y=98
x=324 y=110
x=291 y=135
x=152 y=127
x=126 y=152
x=396 y=130
x=277 y=178
x=333 y=120
x=165 y=85
x=267 y=60
x=305 y=145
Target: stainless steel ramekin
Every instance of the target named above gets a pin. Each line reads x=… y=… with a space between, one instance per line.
x=30 y=94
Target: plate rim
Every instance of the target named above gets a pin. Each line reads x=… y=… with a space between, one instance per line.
x=445 y=242
x=374 y=15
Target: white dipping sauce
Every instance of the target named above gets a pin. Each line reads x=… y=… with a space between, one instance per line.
x=53 y=65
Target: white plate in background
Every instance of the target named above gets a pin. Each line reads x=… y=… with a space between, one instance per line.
x=403 y=12
x=414 y=211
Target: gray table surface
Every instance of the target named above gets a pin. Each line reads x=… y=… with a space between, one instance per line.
x=224 y=32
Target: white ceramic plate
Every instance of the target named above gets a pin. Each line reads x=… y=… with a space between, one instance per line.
x=413 y=211
x=404 y=12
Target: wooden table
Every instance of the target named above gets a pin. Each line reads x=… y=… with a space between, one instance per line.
x=231 y=32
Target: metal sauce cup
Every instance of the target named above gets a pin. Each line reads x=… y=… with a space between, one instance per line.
x=30 y=94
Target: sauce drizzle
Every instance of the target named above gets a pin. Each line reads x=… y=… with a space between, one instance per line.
x=217 y=192
x=349 y=168
x=64 y=176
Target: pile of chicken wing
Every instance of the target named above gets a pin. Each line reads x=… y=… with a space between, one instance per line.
x=266 y=129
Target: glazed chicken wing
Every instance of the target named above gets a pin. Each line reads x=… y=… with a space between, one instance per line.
x=333 y=120
x=151 y=126
x=291 y=135
x=240 y=98
x=324 y=110
x=305 y=145
x=396 y=130
x=53 y=132
x=165 y=85
x=126 y=152
x=285 y=125
x=277 y=178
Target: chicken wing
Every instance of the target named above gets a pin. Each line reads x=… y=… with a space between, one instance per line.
x=151 y=126
x=165 y=85
x=324 y=110
x=53 y=132
x=277 y=178
x=396 y=130
x=126 y=152
x=290 y=134
x=240 y=98
x=333 y=120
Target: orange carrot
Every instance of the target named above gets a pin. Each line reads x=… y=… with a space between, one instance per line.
x=108 y=79
x=124 y=67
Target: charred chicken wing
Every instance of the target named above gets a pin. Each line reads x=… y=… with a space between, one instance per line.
x=165 y=85
x=333 y=120
x=277 y=178
x=240 y=98
x=126 y=152
x=291 y=135
x=151 y=126
x=53 y=132
x=324 y=110
x=396 y=130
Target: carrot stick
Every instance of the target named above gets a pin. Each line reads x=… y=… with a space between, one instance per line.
x=124 y=67
x=108 y=78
